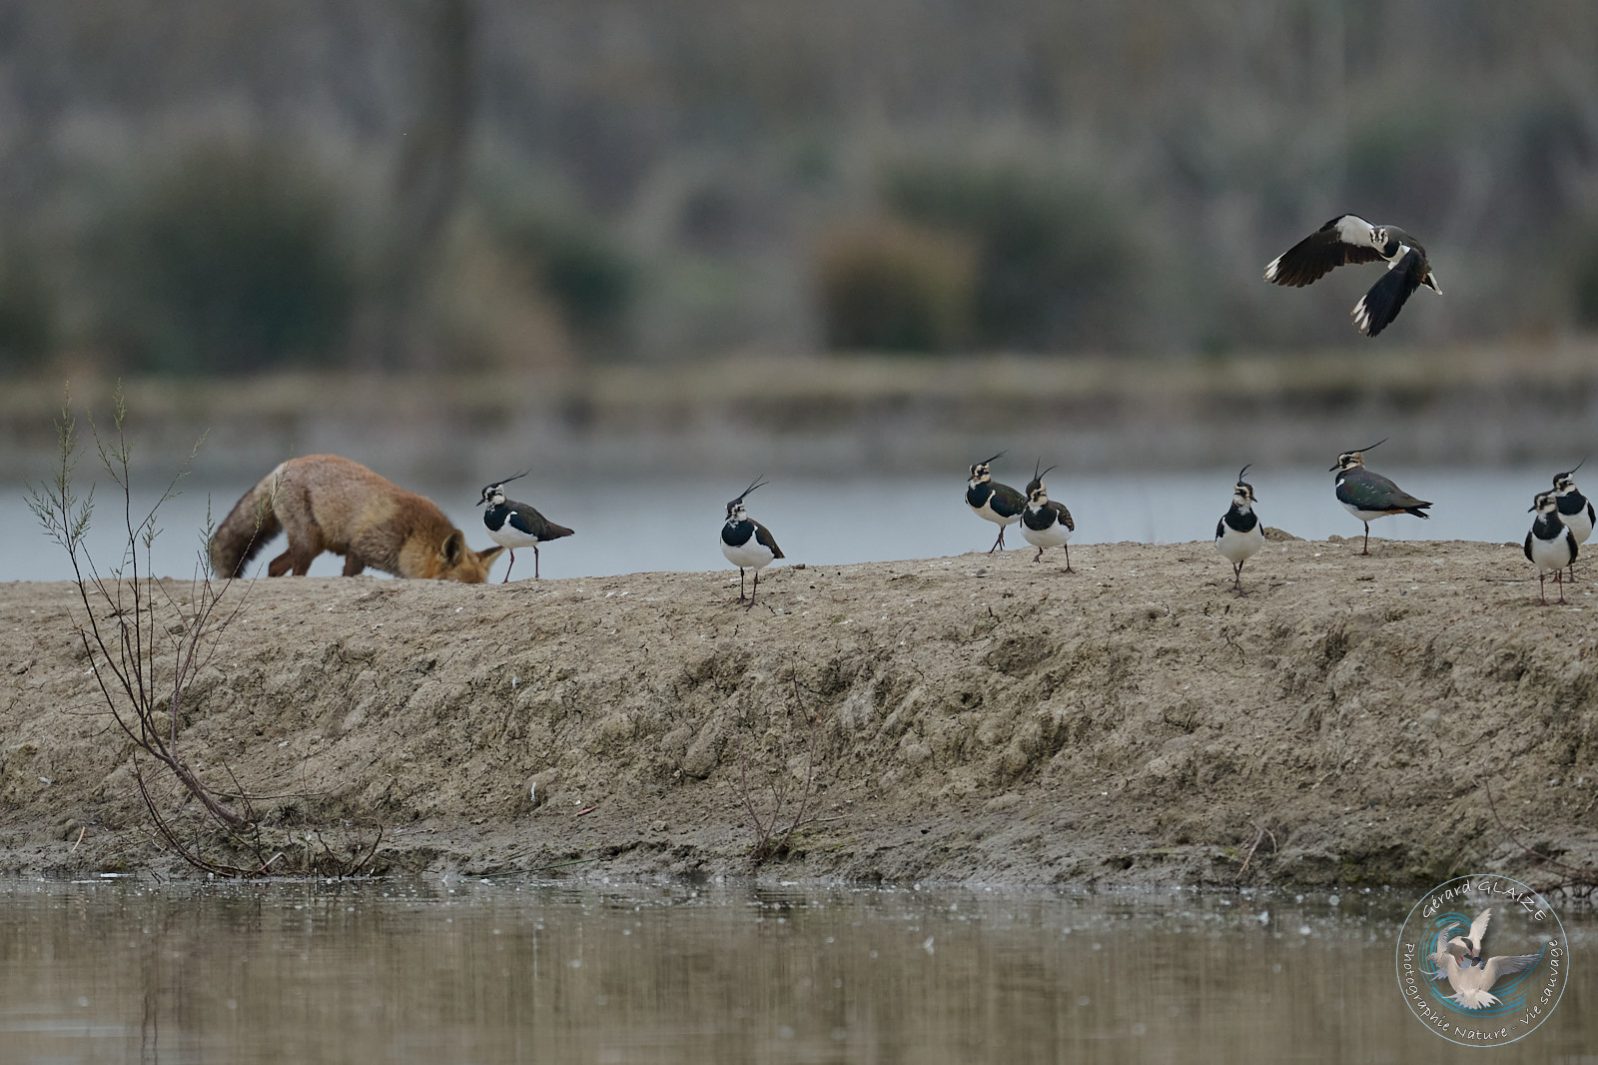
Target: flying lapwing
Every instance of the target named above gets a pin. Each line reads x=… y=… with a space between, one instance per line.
x=512 y=524
x=1046 y=522
x=998 y=503
x=1350 y=239
x=1368 y=495
x=747 y=543
x=1550 y=545
x=1239 y=534
x=1575 y=509
x=1472 y=975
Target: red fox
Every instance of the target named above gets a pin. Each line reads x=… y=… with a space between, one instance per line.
x=330 y=503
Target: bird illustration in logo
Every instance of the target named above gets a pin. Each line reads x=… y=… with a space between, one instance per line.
x=1461 y=960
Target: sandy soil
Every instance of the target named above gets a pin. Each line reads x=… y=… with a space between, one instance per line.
x=964 y=719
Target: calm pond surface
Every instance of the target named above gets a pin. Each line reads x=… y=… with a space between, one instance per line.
x=631 y=526
x=467 y=972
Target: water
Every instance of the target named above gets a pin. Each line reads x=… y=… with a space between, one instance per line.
x=627 y=526
x=479 y=972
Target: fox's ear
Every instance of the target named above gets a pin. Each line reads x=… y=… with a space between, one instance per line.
x=489 y=554
x=454 y=547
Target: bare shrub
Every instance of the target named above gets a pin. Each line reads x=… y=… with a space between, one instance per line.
x=778 y=801
x=146 y=641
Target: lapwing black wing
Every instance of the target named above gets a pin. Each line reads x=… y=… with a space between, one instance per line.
x=1376 y=309
x=1368 y=495
x=998 y=503
x=1550 y=545
x=1345 y=240
x=1046 y=522
x=1575 y=509
x=1238 y=535
x=1349 y=239
x=746 y=543
x=513 y=524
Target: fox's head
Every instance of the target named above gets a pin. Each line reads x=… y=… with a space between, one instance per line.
x=454 y=561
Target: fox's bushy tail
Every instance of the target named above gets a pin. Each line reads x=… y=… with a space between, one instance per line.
x=246 y=529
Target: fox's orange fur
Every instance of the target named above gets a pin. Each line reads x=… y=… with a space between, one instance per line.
x=330 y=503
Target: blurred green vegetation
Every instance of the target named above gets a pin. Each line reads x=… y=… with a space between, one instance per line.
x=228 y=259
x=578 y=263
x=1055 y=252
x=889 y=286
x=28 y=307
x=197 y=188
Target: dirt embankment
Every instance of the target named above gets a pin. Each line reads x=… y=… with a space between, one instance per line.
x=963 y=719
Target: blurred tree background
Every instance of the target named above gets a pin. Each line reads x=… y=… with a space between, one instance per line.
x=202 y=186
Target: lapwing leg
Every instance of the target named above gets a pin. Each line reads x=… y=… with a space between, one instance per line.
x=999 y=542
x=754 y=591
x=1367 y=549
x=1559 y=580
x=1540 y=593
x=1039 y=556
x=535 y=562
x=741 y=583
x=1237 y=576
x=511 y=566
x=1068 y=568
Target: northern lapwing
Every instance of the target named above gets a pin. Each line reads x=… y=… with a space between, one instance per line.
x=747 y=543
x=511 y=524
x=1046 y=522
x=1368 y=495
x=1575 y=509
x=1550 y=545
x=1350 y=239
x=998 y=503
x=1239 y=534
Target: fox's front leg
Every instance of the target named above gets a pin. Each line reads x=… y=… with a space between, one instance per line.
x=281 y=564
x=353 y=564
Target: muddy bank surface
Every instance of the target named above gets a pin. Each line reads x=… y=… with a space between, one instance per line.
x=964 y=719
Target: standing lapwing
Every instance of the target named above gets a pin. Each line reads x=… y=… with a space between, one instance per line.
x=747 y=543
x=998 y=503
x=1350 y=239
x=1239 y=534
x=512 y=524
x=1368 y=495
x=1575 y=509
x=1046 y=522
x=1550 y=545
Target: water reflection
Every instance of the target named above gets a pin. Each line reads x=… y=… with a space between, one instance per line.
x=504 y=972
